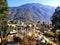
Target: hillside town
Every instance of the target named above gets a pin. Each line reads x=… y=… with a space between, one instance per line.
x=21 y=33
x=29 y=24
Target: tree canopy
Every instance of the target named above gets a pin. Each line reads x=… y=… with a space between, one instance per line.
x=56 y=19
x=3 y=15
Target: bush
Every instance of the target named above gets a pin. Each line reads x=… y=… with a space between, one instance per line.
x=59 y=37
x=49 y=34
x=16 y=39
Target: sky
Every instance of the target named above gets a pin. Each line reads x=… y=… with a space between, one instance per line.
x=14 y=3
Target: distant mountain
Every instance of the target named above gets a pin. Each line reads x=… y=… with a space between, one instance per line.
x=32 y=12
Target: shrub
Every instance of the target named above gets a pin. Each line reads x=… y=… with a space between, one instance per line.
x=16 y=39
x=59 y=37
x=49 y=34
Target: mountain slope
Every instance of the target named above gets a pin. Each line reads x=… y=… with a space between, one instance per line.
x=31 y=12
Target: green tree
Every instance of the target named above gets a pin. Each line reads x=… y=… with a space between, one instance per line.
x=56 y=20
x=3 y=15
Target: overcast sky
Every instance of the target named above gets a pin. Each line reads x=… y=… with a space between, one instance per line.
x=13 y=3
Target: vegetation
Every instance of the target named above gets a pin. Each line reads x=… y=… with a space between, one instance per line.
x=28 y=40
x=49 y=34
x=56 y=21
x=10 y=28
x=59 y=37
x=16 y=39
x=3 y=16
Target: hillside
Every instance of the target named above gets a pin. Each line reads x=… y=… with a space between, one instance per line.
x=31 y=12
